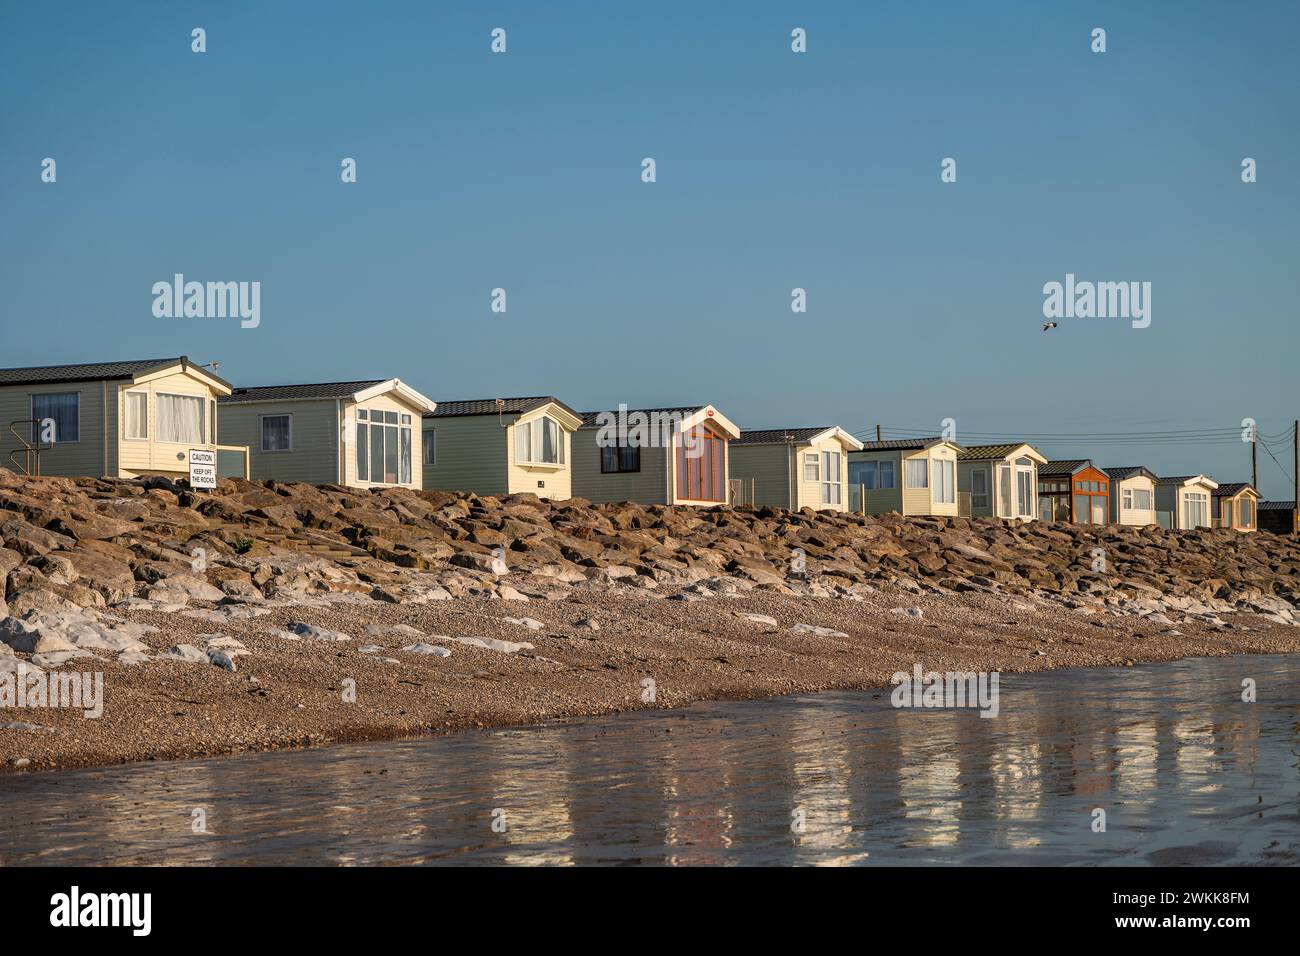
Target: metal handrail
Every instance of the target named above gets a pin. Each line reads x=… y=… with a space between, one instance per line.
x=31 y=453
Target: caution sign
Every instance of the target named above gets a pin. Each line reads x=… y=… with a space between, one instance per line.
x=203 y=469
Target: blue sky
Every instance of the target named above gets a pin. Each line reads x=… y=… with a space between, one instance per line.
x=775 y=171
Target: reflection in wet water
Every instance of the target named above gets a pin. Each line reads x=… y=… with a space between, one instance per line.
x=1185 y=771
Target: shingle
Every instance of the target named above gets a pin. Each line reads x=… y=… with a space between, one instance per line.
x=1230 y=489
x=1128 y=471
x=985 y=452
x=1054 y=468
x=488 y=406
x=91 y=372
x=774 y=436
x=1276 y=506
x=901 y=444
x=591 y=419
x=279 y=393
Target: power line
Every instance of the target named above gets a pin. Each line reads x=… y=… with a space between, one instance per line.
x=1278 y=463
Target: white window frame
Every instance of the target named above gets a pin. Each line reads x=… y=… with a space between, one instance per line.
x=203 y=419
x=405 y=423
x=907 y=473
x=812 y=460
x=261 y=424
x=832 y=467
x=944 y=490
x=1024 y=467
x=127 y=395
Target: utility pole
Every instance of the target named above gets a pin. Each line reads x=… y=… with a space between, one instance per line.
x=1295 y=470
x=877 y=433
x=1254 y=464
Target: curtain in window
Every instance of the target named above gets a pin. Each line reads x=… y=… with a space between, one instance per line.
x=405 y=439
x=945 y=491
x=917 y=473
x=64 y=408
x=137 y=414
x=275 y=433
x=430 y=446
x=181 y=419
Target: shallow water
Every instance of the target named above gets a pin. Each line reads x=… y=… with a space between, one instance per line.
x=1186 y=772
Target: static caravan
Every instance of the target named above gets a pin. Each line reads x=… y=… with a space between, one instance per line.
x=673 y=456
x=1075 y=491
x=111 y=419
x=360 y=434
x=1183 y=502
x=1002 y=480
x=794 y=467
x=911 y=476
x=1277 y=516
x=501 y=446
x=1235 y=506
x=1132 y=495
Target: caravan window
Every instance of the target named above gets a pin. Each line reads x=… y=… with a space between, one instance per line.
x=539 y=442
x=383 y=447
x=182 y=419
x=64 y=408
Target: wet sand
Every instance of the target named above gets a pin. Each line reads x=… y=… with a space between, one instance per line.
x=1185 y=771
x=290 y=694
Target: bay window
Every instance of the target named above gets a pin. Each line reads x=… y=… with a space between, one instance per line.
x=539 y=442
x=383 y=447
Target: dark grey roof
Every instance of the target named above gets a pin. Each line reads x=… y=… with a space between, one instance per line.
x=488 y=406
x=777 y=436
x=1069 y=467
x=1129 y=471
x=280 y=393
x=1179 y=479
x=1232 y=488
x=90 y=372
x=589 y=419
x=903 y=444
x=988 y=452
x=1276 y=506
